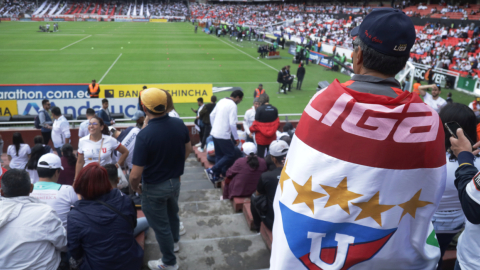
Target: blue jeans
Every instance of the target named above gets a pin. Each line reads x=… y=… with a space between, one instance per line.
x=160 y=206
x=224 y=155
x=142 y=225
x=457 y=265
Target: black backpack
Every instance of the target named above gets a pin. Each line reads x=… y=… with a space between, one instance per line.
x=37 y=122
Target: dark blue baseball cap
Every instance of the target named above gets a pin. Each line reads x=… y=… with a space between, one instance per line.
x=388 y=31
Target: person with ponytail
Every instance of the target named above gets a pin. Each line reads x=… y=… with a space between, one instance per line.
x=242 y=178
x=98 y=146
x=18 y=153
x=69 y=160
x=38 y=150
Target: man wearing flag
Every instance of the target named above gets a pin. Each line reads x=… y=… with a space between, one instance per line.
x=366 y=167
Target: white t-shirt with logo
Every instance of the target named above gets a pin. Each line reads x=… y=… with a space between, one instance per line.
x=91 y=149
x=19 y=162
x=59 y=197
x=437 y=104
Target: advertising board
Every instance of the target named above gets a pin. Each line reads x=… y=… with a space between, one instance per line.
x=26 y=92
x=181 y=93
x=159 y=20
x=128 y=106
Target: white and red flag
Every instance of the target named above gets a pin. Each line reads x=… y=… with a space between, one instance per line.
x=362 y=179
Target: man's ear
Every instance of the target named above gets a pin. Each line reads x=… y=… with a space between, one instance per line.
x=118 y=180
x=31 y=188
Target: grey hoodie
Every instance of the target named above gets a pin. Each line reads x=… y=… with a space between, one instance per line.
x=31 y=234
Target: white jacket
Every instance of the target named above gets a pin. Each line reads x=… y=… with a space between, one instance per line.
x=31 y=234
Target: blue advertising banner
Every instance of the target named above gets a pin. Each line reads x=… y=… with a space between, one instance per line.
x=28 y=92
x=320 y=59
x=140 y=20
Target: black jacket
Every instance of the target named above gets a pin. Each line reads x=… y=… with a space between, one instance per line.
x=205 y=113
x=102 y=237
x=300 y=73
x=464 y=174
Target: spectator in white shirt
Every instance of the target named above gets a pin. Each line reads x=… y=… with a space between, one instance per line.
x=433 y=100
x=18 y=153
x=249 y=118
x=127 y=138
x=224 y=125
x=59 y=197
x=83 y=129
x=32 y=233
x=60 y=130
x=98 y=146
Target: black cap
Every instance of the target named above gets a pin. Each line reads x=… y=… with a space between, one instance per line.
x=388 y=31
x=144 y=87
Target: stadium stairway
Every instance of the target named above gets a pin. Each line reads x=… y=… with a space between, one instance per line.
x=217 y=237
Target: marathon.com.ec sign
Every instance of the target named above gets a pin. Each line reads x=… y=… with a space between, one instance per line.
x=181 y=93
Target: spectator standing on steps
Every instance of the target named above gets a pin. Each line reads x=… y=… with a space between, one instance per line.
x=60 y=130
x=162 y=147
x=224 y=127
x=249 y=118
x=300 y=76
x=265 y=125
x=205 y=117
x=45 y=121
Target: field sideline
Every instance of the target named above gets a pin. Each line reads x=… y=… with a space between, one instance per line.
x=148 y=53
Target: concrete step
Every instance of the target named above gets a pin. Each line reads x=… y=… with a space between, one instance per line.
x=210 y=228
x=204 y=208
x=199 y=195
x=190 y=185
x=194 y=169
x=244 y=252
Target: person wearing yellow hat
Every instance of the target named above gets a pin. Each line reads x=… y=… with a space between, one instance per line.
x=159 y=161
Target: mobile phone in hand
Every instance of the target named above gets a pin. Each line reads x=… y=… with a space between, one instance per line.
x=452 y=129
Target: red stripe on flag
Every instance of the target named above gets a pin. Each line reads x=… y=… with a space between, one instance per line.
x=373 y=130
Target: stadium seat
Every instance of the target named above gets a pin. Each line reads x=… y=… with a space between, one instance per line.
x=247 y=212
x=117 y=115
x=238 y=203
x=266 y=235
x=82 y=117
x=23 y=118
x=5 y=118
x=68 y=116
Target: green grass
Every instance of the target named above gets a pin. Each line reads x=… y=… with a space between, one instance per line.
x=31 y=57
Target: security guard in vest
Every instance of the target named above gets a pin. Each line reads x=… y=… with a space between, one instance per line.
x=259 y=91
x=93 y=89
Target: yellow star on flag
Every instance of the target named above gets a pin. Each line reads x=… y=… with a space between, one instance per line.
x=306 y=194
x=411 y=206
x=283 y=176
x=340 y=195
x=372 y=209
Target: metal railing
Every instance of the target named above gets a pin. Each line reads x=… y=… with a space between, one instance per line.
x=123 y=122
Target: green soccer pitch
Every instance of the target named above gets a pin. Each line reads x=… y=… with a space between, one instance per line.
x=152 y=53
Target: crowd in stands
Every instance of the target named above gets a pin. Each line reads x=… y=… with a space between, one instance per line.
x=14 y=8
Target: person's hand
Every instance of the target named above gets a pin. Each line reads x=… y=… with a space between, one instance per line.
x=237 y=142
x=139 y=189
x=462 y=144
x=250 y=135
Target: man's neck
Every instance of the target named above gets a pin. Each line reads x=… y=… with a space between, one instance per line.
x=46 y=180
x=368 y=72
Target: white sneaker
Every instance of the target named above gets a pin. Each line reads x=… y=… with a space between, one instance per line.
x=176 y=247
x=200 y=149
x=158 y=264
x=182 y=230
x=198 y=144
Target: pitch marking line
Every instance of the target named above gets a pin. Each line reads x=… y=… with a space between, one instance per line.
x=28 y=50
x=75 y=42
x=109 y=68
x=249 y=56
